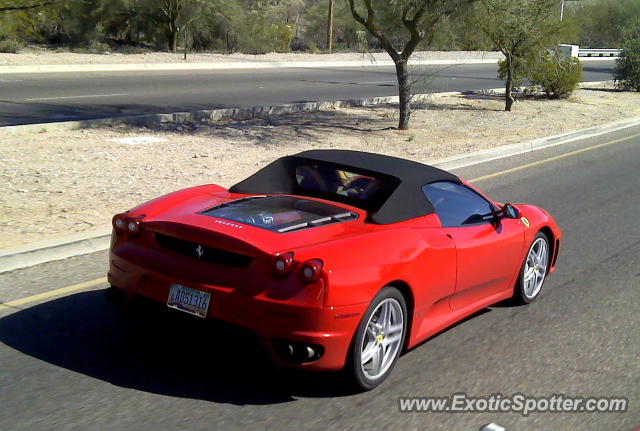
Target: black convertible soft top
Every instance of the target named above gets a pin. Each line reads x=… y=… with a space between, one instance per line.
x=400 y=198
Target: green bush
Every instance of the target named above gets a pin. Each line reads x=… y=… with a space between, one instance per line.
x=556 y=75
x=627 y=73
x=10 y=46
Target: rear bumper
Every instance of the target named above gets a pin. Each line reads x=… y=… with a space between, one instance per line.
x=271 y=319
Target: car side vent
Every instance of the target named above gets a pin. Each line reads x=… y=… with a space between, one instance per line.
x=203 y=252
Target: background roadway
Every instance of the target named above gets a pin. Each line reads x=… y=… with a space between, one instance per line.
x=39 y=98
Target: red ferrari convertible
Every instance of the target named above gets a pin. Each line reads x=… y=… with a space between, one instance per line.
x=338 y=260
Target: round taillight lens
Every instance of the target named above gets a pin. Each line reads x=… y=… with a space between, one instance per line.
x=119 y=224
x=311 y=271
x=283 y=264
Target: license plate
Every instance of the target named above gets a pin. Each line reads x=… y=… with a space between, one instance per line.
x=189 y=300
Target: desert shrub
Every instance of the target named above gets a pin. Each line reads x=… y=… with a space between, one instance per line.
x=263 y=36
x=94 y=47
x=627 y=73
x=556 y=75
x=313 y=48
x=10 y=46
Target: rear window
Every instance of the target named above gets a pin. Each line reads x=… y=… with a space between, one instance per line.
x=329 y=179
x=280 y=213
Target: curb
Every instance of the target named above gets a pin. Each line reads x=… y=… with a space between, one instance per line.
x=133 y=67
x=90 y=242
x=55 y=249
x=464 y=160
x=209 y=115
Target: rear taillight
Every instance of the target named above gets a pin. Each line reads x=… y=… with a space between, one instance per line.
x=119 y=223
x=283 y=264
x=133 y=227
x=128 y=225
x=310 y=271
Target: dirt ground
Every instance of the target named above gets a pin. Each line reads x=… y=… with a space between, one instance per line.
x=58 y=183
x=42 y=56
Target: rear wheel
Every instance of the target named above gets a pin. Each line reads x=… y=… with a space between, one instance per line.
x=379 y=339
x=534 y=270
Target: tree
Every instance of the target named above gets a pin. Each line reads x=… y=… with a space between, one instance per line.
x=172 y=11
x=399 y=26
x=519 y=29
x=178 y=14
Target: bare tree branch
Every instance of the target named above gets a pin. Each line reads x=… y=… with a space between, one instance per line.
x=412 y=14
x=370 y=25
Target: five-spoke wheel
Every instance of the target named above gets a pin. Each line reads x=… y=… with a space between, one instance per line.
x=534 y=270
x=379 y=339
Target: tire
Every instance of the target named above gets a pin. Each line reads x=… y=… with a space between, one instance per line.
x=381 y=343
x=534 y=271
x=115 y=296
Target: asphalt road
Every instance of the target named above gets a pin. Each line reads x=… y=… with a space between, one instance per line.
x=38 y=98
x=73 y=362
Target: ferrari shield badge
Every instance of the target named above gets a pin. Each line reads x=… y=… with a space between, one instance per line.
x=525 y=221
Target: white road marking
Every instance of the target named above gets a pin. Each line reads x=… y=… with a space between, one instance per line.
x=86 y=96
x=377 y=82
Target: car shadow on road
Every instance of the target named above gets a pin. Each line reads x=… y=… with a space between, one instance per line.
x=157 y=350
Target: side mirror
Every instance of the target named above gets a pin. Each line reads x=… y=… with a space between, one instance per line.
x=509 y=211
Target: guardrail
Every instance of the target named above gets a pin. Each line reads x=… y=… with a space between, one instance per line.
x=598 y=52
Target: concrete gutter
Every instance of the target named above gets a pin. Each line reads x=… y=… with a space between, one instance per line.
x=98 y=240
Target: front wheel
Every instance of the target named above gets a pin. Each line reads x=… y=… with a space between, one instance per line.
x=379 y=339
x=534 y=270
